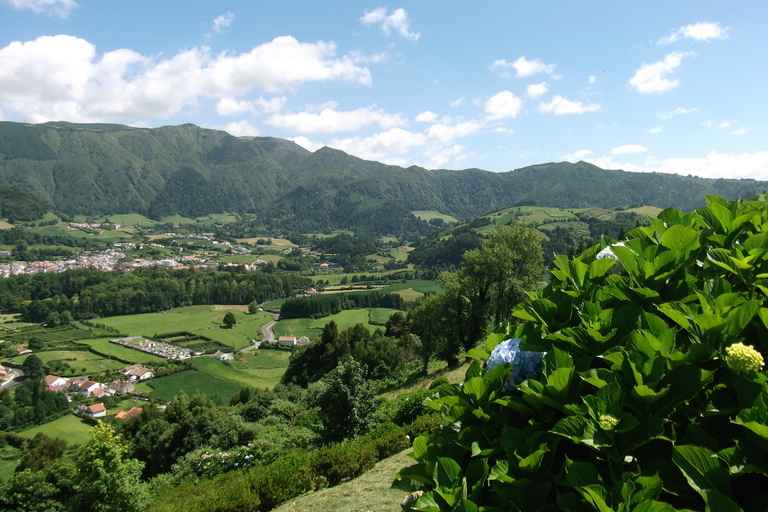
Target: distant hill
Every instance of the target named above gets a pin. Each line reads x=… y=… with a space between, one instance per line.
x=98 y=169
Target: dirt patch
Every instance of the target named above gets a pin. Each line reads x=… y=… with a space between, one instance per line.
x=244 y=309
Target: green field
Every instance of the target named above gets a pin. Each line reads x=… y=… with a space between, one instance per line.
x=69 y=428
x=131 y=219
x=344 y=320
x=127 y=354
x=81 y=361
x=432 y=214
x=256 y=369
x=201 y=320
x=166 y=388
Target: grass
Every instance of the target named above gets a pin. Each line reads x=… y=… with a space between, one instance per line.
x=166 y=388
x=69 y=428
x=8 y=466
x=127 y=354
x=296 y=327
x=369 y=492
x=432 y=214
x=131 y=219
x=200 y=320
x=82 y=361
x=381 y=315
x=344 y=320
x=257 y=369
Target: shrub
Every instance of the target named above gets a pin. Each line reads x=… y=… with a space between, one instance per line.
x=652 y=395
x=341 y=461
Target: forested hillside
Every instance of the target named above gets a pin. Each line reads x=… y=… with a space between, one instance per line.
x=187 y=170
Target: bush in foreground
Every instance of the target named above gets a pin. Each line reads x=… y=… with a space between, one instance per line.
x=652 y=396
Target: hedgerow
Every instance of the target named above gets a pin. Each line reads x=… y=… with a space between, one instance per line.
x=652 y=396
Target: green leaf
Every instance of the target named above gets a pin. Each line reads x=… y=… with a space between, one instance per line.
x=447 y=472
x=653 y=506
x=702 y=469
x=680 y=239
x=582 y=430
x=476 y=387
x=477 y=353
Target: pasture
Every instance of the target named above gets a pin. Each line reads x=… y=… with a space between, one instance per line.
x=166 y=388
x=103 y=346
x=312 y=328
x=432 y=214
x=80 y=362
x=201 y=320
x=69 y=428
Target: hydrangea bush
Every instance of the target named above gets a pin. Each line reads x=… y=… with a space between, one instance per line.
x=652 y=396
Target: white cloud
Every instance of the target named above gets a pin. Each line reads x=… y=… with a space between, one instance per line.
x=577 y=156
x=223 y=21
x=329 y=120
x=503 y=105
x=653 y=77
x=656 y=130
x=561 y=106
x=397 y=22
x=59 y=8
x=592 y=79
x=523 y=67
x=426 y=117
x=677 y=112
x=709 y=123
x=383 y=147
x=741 y=131
x=438 y=160
x=456 y=103
x=697 y=32
x=714 y=165
x=229 y=106
x=537 y=90
x=63 y=78
x=307 y=144
x=239 y=129
x=628 y=148
x=445 y=134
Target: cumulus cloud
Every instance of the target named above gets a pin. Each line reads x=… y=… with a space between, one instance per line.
x=561 y=106
x=59 y=8
x=656 y=130
x=307 y=144
x=229 y=106
x=714 y=165
x=523 y=67
x=329 y=120
x=503 y=105
x=387 y=147
x=426 y=117
x=396 y=22
x=439 y=159
x=628 y=148
x=697 y=32
x=239 y=129
x=445 y=134
x=222 y=22
x=577 y=156
x=537 y=90
x=677 y=112
x=592 y=79
x=63 y=77
x=653 y=77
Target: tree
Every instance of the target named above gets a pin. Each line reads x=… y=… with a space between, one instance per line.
x=33 y=367
x=106 y=479
x=346 y=402
x=253 y=308
x=229 y=320
x=41 y=451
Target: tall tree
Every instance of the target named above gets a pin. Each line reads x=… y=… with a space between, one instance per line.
x=106 y=479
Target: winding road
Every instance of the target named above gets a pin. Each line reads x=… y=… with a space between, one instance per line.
x=266 y=329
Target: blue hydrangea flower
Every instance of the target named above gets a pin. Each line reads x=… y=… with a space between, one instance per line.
x=524 y=364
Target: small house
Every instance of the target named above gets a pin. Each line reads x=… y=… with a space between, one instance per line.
x=287 y=340
x=96 y=411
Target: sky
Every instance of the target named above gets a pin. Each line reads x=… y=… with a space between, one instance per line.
x=653 y=86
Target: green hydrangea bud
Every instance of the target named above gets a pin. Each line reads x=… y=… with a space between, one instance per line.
x=608 y=422
x=743 y=358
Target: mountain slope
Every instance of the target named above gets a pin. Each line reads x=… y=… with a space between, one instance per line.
x=107 y=169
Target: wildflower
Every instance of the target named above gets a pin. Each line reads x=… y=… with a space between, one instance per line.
x=743 y=359
x=608 y=422
x=524 y=364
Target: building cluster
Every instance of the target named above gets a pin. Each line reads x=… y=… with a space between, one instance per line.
x=158 y=348
x=89 y=388
x=104 y=261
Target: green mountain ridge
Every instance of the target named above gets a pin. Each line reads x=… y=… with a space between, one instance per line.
x=102 y=169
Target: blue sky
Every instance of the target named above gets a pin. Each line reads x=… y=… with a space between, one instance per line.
x=653 y=86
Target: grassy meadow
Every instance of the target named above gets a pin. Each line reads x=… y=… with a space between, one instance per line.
x=201 y=320
x=311 y=328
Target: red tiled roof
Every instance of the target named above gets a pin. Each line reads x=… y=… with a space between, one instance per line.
x=96 y=408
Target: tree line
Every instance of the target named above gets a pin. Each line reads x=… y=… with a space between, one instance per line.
x=87 y=293
x=318 y=306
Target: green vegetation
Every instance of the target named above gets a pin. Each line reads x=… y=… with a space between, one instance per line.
x=190 y=381
x=652 y=394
